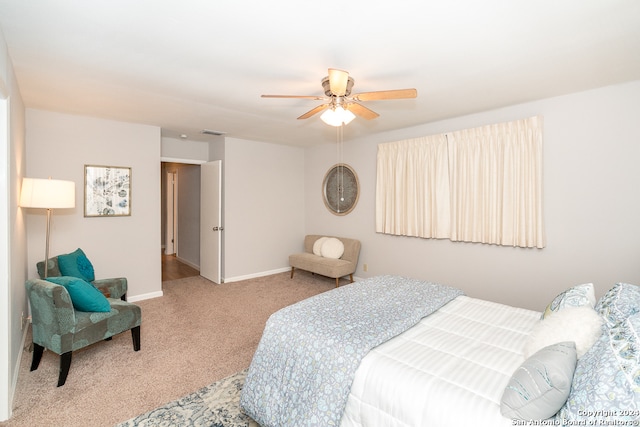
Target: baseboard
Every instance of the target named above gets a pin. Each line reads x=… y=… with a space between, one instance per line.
x=254 y=275
x=16 y=370
x=150 y=295
x=269 y=273
x=189 y=263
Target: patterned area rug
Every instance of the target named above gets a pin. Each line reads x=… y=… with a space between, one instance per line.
x=217 y=405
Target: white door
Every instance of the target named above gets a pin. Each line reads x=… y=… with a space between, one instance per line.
x=210 y=220
x=171 y=243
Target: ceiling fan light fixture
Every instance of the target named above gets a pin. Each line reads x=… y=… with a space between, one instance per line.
x=337 y=90
x=337 y=116
x=338 y=81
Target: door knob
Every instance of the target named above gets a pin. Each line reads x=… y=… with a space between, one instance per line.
x=215 y=228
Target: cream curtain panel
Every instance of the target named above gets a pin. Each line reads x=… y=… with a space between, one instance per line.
x=413 y=196
x=476 y=185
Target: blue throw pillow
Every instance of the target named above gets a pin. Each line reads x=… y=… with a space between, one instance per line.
x=576 y=296
x=619 y=303
x=541 y=385
x=607 y=379
x=84 y=296
x=76 y=264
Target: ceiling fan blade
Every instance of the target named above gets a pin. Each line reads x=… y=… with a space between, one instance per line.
x=361 y=110
x=314 y=111
x=386 y=94
x=317 y=98
x=338 y=81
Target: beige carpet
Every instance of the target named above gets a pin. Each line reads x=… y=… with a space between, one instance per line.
x=197 y=333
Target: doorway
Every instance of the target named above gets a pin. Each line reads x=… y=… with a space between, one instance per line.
x=186 y=189
x=180 y=215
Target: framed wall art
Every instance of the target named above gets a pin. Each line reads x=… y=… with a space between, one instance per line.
x=107 y=191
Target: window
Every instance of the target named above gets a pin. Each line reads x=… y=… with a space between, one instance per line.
x=475 y=185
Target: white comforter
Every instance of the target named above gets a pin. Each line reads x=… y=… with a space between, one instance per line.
x=449 y=370
x=303 y=368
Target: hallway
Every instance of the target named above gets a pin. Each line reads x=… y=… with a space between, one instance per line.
x=173 y=269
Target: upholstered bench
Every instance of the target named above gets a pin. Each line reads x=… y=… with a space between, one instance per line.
x=339 y=259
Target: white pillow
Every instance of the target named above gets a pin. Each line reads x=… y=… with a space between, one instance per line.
x=582 y=325
x=317 y=245
x=332 y=248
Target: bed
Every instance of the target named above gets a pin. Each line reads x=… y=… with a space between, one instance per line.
x=396 y=351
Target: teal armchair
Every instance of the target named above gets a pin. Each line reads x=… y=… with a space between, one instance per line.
x=62 y=329
x=111 y=288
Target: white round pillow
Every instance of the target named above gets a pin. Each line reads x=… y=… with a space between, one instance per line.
x=582 y=325
x=332 y=248
x=317 y=245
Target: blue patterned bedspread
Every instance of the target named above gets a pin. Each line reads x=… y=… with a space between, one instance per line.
x=302 y=371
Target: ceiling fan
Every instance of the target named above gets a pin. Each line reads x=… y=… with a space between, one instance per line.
x=341 y=106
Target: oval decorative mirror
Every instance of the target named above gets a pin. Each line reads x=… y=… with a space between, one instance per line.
x=340 y=189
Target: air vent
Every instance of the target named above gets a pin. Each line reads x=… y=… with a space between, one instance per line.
x=212 y=132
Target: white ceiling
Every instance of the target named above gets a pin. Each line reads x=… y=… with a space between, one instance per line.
x=190 y=65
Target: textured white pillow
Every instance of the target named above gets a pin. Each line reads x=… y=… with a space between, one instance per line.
x=582 y=325
x=317 y=245
x=332 y=248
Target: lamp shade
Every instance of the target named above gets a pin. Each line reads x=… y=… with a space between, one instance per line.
x=337 y=116
x=47 y=193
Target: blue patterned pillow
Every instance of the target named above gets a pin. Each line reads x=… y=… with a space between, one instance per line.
x=541 y=385
x=607 y=378
x=84 y=296
x=576 y=296
x=620 y=302
x=76 y=264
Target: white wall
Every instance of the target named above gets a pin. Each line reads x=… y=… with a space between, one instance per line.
x=189 y=214
x=59 y=145
x=5 y=300
x=592 y=204
x=174 y=150
x=13 y=249
x=264 y=207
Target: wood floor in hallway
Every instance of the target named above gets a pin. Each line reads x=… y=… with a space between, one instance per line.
x=173 y=269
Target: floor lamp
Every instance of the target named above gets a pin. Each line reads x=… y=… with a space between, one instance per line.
x=47 y=194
